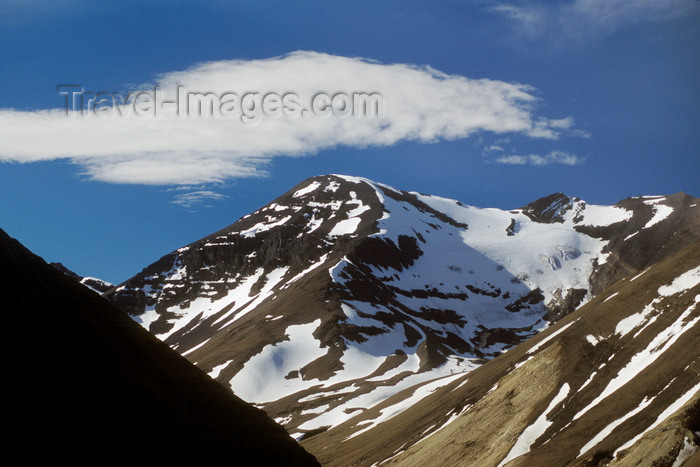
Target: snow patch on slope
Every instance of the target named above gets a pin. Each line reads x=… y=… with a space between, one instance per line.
x=544 y=341
x=345 y=227
x=307 y=189
x=262 y=378
x=642 y=360
x=661 y=212
x=214 y=373
x=531 y=433
x=600 y=216
x=419 y=393
x=670 y=410
x=685 y=281
x=445 y=374
x=609 y=429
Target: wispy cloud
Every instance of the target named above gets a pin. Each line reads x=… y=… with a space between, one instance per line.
x=419 y=104
x=493 y=148
x=587 y=19
x=554 y=157
x=21 y=12
x=197 y=198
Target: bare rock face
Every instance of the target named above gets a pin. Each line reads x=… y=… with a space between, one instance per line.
x=564 y=302
x=342 y=292
x=550 y=209
x=662 y=226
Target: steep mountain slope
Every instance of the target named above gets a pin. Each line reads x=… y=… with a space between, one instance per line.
x=343 y=291
x=83 y=382
x=618 y=380
x=96 y=285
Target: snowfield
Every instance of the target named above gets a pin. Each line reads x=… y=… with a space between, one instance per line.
x=423 y=289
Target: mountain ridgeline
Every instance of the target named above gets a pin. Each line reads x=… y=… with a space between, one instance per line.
x=343 y=293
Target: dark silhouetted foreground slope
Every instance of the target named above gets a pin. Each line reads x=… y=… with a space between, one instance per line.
x=82 y=381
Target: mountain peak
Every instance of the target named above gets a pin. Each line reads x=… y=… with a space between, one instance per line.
x=342 y=285
x=551 y=208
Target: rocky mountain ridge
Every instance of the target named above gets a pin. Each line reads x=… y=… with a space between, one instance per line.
x=343 y=292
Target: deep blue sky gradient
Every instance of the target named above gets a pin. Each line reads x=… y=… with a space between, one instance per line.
x=635 y=89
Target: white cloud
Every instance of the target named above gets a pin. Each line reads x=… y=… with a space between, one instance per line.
x=588 y=19
x=419 y=104
x=194 y=198
x=625 y=11
x=494 y=148
x=530 y=18
x=554 y=157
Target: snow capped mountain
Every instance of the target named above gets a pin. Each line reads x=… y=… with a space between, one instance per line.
x=344 y=292
x=615 y=383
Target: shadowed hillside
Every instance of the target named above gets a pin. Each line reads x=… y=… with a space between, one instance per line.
x=84 y=382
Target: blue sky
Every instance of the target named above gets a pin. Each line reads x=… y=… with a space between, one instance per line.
x=492 y=103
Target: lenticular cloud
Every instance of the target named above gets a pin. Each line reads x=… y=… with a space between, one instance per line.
x=163 y=146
